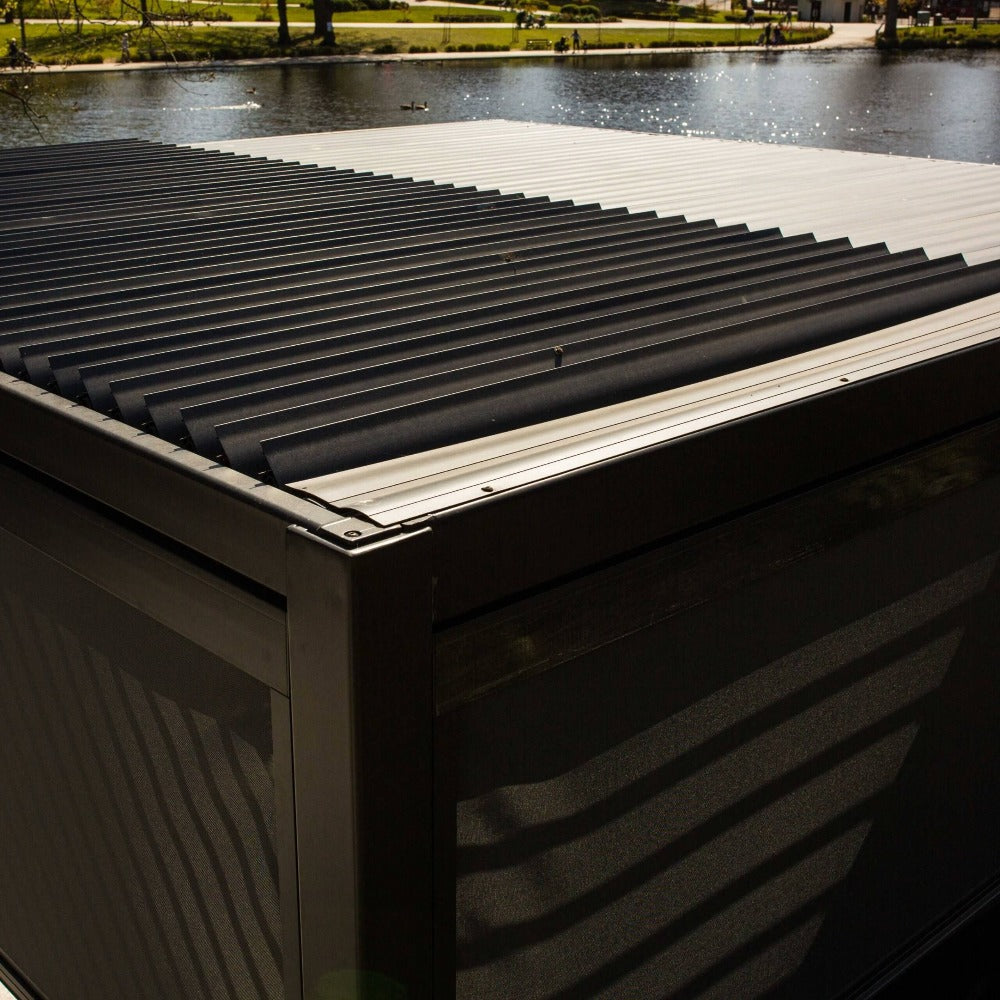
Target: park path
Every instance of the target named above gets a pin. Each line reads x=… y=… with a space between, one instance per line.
x=845 y=36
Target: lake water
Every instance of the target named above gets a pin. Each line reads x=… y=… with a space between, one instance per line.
x=918 y=105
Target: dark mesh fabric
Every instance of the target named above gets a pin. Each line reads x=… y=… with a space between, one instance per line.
x=137 y=822
x=763 y=796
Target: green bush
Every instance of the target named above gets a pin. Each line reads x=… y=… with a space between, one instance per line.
x=481 y=47
x=909 y=40
x=469 y=18
x=385 y=49
x=417 y=49
x=569 y=10
x=77 y=59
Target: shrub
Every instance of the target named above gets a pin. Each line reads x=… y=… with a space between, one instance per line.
x=417 y=49
x=482 y=47
x=385 y=49
x=468 y=18
x=76 y=59
x=569 y=10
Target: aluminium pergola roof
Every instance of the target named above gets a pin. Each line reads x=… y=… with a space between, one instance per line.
x=392 y=321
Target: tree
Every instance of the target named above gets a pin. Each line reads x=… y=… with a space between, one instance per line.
x=889 y=34
x=284 y=36
x=323 y=21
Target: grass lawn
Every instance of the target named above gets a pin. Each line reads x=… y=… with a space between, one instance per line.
x=96 y=43
x=199 y=12
x=100 y=43
x=422 y=14
x=418 y=14
x=949 y=35
x=234 y=12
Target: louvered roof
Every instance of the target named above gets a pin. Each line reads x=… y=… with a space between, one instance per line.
x=301 y=322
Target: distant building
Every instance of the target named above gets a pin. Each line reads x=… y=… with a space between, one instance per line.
x=828 y=11
x=832 y=11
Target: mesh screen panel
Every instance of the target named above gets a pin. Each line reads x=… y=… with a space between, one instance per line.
x=766 y=793
x=138 y=819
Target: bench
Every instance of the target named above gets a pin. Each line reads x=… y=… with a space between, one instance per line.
x=538 y=43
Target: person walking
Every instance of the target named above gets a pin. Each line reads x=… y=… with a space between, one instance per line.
x=576 y=40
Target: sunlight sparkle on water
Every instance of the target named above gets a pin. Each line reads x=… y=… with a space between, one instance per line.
x=729 y=95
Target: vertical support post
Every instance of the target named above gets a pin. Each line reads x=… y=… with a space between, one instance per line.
x=361 y=685
x=281 y=736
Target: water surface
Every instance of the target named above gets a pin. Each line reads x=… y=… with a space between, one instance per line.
x=920 y=105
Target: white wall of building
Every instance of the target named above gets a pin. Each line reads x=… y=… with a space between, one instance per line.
x=831 y=11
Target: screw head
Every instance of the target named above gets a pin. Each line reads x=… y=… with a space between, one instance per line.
x=353 y=533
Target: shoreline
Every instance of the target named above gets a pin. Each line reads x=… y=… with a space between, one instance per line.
x=845 y=36
x=398 y=57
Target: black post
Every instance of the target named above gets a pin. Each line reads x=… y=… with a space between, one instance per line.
x=361 y=685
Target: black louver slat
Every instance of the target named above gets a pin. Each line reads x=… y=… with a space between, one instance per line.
x=295 y=321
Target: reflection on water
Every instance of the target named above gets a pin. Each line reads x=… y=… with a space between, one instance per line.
x=921 y=105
